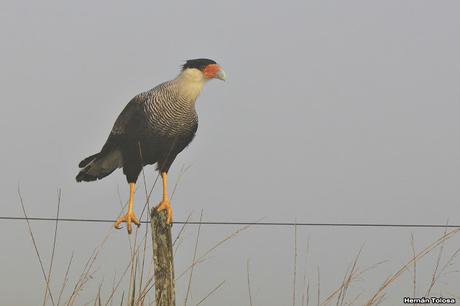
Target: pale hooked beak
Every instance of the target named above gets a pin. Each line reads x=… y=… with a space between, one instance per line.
x=221 y=75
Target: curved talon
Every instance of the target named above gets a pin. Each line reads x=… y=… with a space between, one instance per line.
x=128 y=218
x=165 y=204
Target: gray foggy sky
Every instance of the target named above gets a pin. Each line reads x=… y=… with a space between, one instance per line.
x=333 y=111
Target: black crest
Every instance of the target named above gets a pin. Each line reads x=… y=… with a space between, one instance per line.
x=199 y=63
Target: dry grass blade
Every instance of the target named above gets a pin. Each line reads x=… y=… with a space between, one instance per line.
x=249 y=283
x=66 y=279
x=146 y=286
x=295 y=266
x=147 y=201
x=305 y=287
x=194 y=258
x=308 y=294
x=380 y=300
x=353 y=302
x=179 y=235
x=210 y=293
x=347 y=281
x=114 y=281
x=149 y=284
x=352 y=277
x=133 y=265
x=179 y=178
x=375 y=298
x=21 y=201
x=448 y=263
x=97 y=301
x=54 y=247
x=114 y=289
x=181 y=231
x=133 y=291
x=434 y=276
x=210 y=250
x=342 y=288
x=86 y=274
x=122 y=298
x=147 y=194
x=414 y=275
x=144 y=254
x=146 y=231
x=318 y=284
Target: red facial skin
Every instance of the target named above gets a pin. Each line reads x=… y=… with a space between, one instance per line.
x=211 y=71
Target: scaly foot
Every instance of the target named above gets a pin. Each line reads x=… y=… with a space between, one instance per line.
x=165 y=204
x=128 y=218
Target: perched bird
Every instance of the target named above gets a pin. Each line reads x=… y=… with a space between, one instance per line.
x=154 y=127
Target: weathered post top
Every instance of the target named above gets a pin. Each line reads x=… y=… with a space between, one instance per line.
x=162 y=259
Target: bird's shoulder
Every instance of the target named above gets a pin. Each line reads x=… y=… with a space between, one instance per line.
x=133 y=115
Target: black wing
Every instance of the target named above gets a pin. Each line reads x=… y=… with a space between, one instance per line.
x=129 y=126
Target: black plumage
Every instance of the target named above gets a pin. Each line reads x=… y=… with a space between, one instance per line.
x=199 y=63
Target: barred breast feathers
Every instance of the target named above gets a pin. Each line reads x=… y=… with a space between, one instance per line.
x=170 y=107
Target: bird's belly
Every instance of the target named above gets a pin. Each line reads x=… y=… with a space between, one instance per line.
x=157 y=147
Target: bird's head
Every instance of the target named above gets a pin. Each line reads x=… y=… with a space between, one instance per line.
x=205 y=68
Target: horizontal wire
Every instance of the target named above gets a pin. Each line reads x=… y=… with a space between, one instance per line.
x=245 y=223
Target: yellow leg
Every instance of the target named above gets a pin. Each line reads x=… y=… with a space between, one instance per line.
x=130 y=216
x=165 y=203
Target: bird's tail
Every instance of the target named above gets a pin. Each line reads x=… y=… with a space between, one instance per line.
x=99 y=165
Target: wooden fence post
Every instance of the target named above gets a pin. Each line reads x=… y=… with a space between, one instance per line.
x=165 y=294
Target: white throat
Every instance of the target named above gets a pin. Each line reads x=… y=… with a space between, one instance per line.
x=191 y=82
